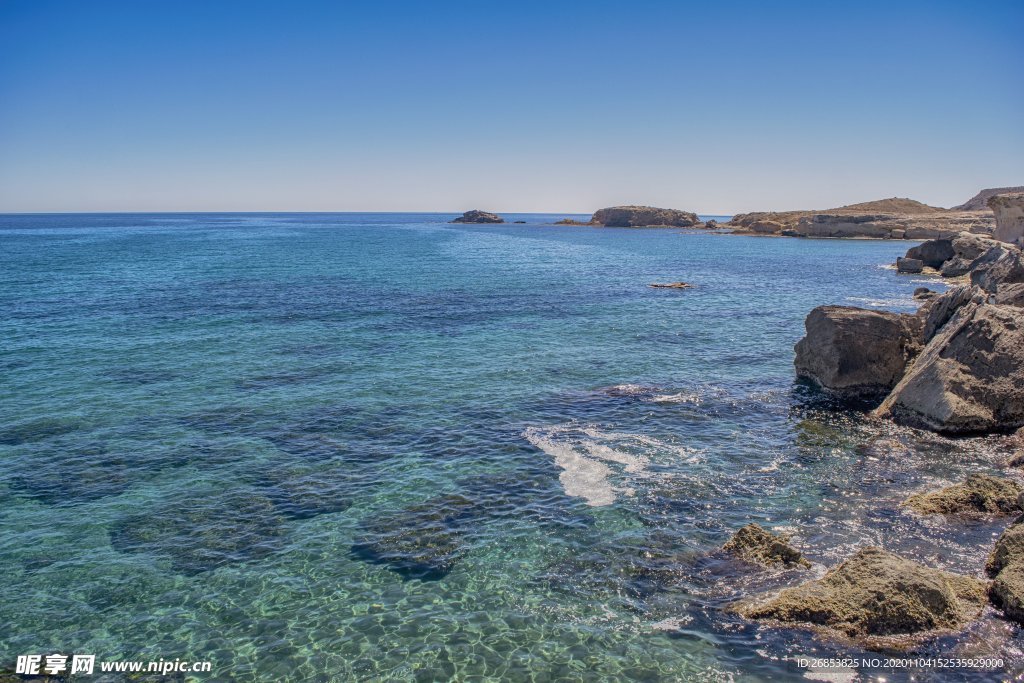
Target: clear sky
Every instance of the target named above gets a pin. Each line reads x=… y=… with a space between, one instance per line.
x=715 y=107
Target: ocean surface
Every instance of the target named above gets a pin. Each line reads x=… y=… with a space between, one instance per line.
x=333 y=447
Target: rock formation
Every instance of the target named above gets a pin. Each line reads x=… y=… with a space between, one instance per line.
x=756 y=545
x=1009 y=211
x=980 y=493
x=476 y=216
x=856 y=353
x=970 y=376
x=671 y=285
x=643 y=216
x=979 y=202
x=876 y=593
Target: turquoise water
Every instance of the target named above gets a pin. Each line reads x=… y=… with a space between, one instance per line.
x=320 y=447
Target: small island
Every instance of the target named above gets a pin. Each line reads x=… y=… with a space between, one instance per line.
x=639 y=217
x=477 y=216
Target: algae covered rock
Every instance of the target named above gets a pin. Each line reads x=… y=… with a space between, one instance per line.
x=980 y=493
x=1006 y=565
x=757 y=545
x=875 y=593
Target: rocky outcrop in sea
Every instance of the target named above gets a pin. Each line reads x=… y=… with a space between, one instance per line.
x=477 y=216
x=639 y=217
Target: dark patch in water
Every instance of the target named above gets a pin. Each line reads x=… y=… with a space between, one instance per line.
x=204 y=532
x=235 y=420
x=423 y=541
x=303 y=492
x=42 y=428
x=140 y=376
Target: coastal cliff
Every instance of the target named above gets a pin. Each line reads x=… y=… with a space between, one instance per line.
x=896 y=218
x=1009 y=211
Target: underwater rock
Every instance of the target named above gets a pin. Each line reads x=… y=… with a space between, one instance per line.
x=476 y=216
x=423 y=541
x=980 y=493
x=39 y=429
x=970 y=376
x=875 y=593
x=305 y=492
x=854 y=352
x=755 y=544
x=203 y=532
x=671 y=285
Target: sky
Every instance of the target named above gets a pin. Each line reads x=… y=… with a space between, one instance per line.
x=303 y=105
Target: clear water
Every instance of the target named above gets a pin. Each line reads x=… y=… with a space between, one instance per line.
x=320 y=447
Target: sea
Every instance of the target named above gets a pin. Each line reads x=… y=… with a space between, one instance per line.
x=383 y=447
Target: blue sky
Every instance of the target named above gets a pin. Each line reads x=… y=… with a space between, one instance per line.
x=714 y=107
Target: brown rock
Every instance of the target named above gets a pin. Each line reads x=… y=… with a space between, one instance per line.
x=476 y=216
x=1008 y=550
x=999 y=266
x=941 y=309
x=1011 y=294
x=877 y=593
x=970 y=376
x=1007 y=592
x=980 y=493
x=854 y=352
x=756 y=545
x=643 y=216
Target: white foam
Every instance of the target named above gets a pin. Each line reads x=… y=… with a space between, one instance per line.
x=581 y=476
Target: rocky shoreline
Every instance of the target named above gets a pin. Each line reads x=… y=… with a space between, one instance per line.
x=956 y=367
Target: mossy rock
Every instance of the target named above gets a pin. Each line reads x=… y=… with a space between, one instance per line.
x=203 y=533
x=875 y=593
x=1009 y=548
x=979 y=494
x=753 y=543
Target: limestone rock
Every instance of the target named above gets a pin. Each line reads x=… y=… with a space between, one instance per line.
x=999 y=266
x=970 y=376
x=643 y=216
x=1009 y=211
x=476 y=216
x=854 y=352
x=909 y=265
x=755 y=544
x=1011 y=294
x=877 y=593
x=967 y=248
x=980 y=493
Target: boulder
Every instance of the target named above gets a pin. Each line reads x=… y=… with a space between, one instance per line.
x=854 y=352
x=1006 y=566
x=980 y=493
x=476 y=216
x=909 y=265
x=643 y=216
x=1009 y=211
x=875 y=593
x=967 y=247
x=924 y=294
x=970 y=376
x=1008 y=550
x=756 y=545
x=711 y=224
x=933 y=252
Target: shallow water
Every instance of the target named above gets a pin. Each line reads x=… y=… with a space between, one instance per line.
x=318 y=447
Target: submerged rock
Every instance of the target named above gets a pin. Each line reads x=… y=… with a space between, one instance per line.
x=755 y=544
x=854 y=352
x=203 y=532
x=423 y=541
x=980 y=493
x=969 y=378
x=671 y=285
x=476 y=216
x=875 y=593
x=643 y=216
